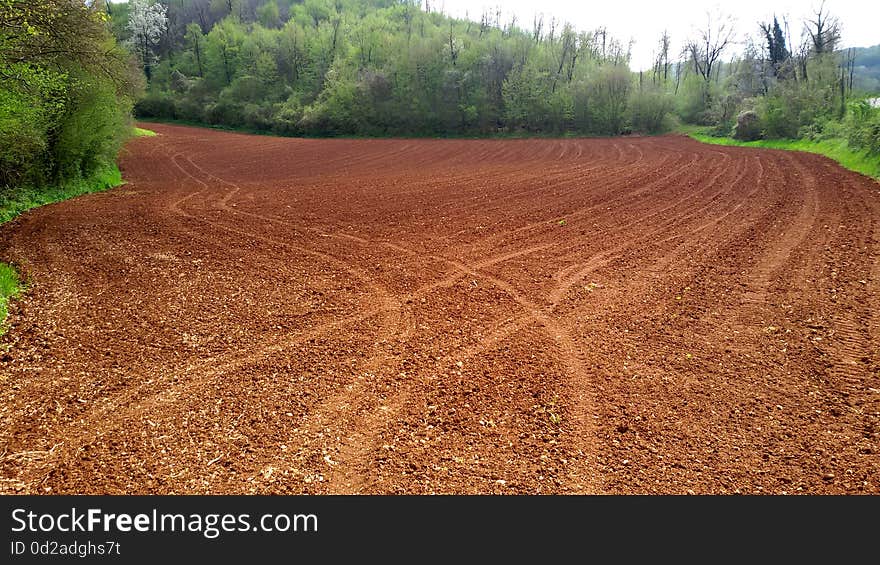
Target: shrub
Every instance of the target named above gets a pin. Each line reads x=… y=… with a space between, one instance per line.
x=607 y=96
x=23 y=137
x=748 y=126
x=695 y=99
x=862 y=127
x=224 y=112
x=156 y=105
x=186 y=108
x=649 y=110
x=287 y=117
x=258 y=117
x=91 y=131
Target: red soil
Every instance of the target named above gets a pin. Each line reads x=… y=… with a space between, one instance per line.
x=264 y=315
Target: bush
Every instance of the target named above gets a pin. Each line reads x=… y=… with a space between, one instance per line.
x=156 y=105
x=694 y=101
x=862 y=127
x=193 y=110
x=748 y=126
x=336 y=111
x=258 y=117
x=779 y=117
x=23 y=137
x=57 y=127
x=649 y=111
x=91 y=131
x=287 y=117
x=225 y=113
x=793 y=105
x=607 y=95
x=526 y=94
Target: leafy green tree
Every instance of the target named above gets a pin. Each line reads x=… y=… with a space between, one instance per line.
x=526 y=93
x=222 y=48
x=609 y=90
x=401 y=69
x=649 y=109
x=196 y=41
x=269 y=15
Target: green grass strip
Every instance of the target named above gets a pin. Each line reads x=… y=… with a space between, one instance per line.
x=17 y=200
x=837 y=149
x=140 y=132
x=10 y=287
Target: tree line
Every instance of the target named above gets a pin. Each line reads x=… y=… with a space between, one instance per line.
x=385 y=67
x=375 y=67
x=783 y=86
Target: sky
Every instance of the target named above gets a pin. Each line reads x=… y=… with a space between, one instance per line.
x=644 y=21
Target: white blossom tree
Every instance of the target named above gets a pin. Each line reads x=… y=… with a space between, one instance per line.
x=147 y=22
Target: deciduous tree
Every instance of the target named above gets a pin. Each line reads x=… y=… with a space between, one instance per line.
x=147 y=23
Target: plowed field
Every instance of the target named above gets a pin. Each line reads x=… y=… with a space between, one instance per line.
x=265 y=315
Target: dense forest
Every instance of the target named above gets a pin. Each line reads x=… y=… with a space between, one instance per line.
x=383 y=67
x=376 y=67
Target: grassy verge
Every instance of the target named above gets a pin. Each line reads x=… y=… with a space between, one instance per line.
x=140 y=132
x=10 y=287
x=15 y=201
x=836 y=149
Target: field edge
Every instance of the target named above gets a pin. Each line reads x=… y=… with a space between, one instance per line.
x=836 y=149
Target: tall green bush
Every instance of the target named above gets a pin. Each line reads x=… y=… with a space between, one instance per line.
x=65 y=92
x=649 y=109
x=862 y=127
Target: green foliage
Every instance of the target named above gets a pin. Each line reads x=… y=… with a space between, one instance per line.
x=531 y=104
x=17 y=200
x=694 y=100
x=650 y=109
x=156 y=105
x=65 y=102
x=337 y=110
x=65 y=92
x=526 y=93
x=795 y=104
x=23 y=136
x=90 y=133
x=10 y=287
x=384 y=67
x=805 y=97
x=861 y=161
x=222 y=48
x=378 y=67
x=608 y=94
x=775 y=45
x=268 y=14
x=862 y=127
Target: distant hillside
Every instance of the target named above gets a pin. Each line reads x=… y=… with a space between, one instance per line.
x=867 y=72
